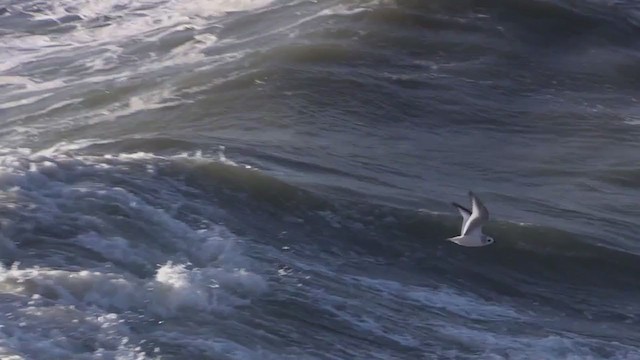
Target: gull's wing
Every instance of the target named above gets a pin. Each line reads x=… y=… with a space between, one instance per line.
x=479 y=215
x=465 y=215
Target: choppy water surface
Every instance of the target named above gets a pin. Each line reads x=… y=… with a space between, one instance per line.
x=271 y=179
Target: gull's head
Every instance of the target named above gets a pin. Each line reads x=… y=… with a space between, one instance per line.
x=487 y=240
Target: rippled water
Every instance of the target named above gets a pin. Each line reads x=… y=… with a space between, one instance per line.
x=272 y=179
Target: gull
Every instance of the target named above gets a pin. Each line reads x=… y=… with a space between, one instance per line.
x=472 y=222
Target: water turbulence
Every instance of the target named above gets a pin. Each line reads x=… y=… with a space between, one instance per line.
x=272 y=179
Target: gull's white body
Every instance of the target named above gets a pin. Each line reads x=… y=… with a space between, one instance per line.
x=472 y=221
x=468 y=240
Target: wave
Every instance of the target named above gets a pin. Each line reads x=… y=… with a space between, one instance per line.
x=216 y=175
x=241 y=187
x=167 y=235
x=372 y=229
x=94 y=243
x=564 y=19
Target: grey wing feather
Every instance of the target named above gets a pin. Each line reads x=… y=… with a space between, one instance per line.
x=465 y=215
x=479 y=215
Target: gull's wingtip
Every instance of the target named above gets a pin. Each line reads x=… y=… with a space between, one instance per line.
x=458 y=206
x=473 y=196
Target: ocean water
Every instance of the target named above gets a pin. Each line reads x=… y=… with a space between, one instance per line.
x=256 y=179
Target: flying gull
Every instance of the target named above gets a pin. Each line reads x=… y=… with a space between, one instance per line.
x=472 y=222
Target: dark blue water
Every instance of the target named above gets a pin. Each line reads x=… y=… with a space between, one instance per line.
x=272 y=179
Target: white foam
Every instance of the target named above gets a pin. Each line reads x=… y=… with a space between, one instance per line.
x=148 y=20
x=467 y=305
x=348 y=10
x=223 y=158
x=149 y=101
x=52 y=186
x=100 y=48
x=632 y=119
x=119 y=250
x=521 y=347
x=216 y=7
x=442 y=297
x=60 y=311
x=16 y=80
x=36 y=178
x=174 y=289
x=483 y=339
x=35 y=328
